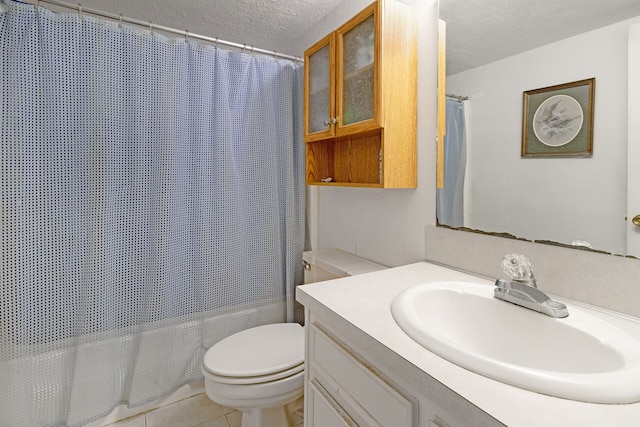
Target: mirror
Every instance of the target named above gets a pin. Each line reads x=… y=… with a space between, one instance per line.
x=496 y=51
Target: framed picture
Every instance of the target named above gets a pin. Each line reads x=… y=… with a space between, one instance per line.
x=557 y=121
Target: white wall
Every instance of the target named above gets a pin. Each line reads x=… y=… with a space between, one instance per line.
x=386 y=226
x=549 y=199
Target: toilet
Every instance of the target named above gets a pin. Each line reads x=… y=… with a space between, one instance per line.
x=260 y=370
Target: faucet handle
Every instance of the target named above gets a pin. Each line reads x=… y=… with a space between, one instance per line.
x=517 y=267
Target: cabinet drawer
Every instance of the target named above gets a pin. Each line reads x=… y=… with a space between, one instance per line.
x=349 y=378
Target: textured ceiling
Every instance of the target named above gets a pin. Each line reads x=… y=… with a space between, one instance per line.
x=265 y=24
x=478 y=31
x=483 y=31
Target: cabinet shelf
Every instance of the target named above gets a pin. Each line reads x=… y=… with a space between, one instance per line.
x=355 y=73
x=319 y=91
x=359 y=72
x=352 y=160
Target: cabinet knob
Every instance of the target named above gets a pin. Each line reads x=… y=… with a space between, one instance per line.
x=330 y=122
x=636 y=220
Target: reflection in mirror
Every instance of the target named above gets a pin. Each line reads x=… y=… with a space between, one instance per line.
x=450 y=198
x=496 y=51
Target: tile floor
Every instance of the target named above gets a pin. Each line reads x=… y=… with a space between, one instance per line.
x=198 y=411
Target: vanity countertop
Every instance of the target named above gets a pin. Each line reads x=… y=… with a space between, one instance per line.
x=365 y=300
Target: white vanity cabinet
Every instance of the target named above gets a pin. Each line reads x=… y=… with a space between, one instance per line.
x=344 y=390
x=363 y=370
x=352 y=381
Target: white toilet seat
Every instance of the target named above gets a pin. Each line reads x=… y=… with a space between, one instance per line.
x=257 y=379
x=257 y=355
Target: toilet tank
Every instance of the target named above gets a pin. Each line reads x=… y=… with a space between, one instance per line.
x=327 y=264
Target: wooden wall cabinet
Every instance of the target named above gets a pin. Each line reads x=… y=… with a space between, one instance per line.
x=360 y=101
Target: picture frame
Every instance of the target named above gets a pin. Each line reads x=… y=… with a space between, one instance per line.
x=557 y=121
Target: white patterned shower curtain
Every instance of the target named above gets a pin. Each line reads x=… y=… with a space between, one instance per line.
x=152 y=204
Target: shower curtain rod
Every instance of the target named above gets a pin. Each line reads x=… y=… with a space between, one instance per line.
x=185 y=33
x=458 y=97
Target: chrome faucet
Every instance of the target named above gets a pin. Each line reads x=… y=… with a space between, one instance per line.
x=522 y=289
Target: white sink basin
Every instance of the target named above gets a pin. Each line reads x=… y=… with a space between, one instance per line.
x=580 y=357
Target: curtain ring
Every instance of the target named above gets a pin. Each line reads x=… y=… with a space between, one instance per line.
x=36 y=4
x=186 y=36
x=80 y=10
x=216 y=45
x=275 y=54
x=151 y=27
x=251 y=50
x=120 y=21
x=244 y=48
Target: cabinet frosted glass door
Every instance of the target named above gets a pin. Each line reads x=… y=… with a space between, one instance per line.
x=357 y=74
x=320 y=98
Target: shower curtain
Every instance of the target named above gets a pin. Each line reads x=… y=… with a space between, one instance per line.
x=152 y=204
x=450 y=199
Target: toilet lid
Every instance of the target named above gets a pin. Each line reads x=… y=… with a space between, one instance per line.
x=257 y=351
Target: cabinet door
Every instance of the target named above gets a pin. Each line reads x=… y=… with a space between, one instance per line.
x=359 y=389
x=319 y=94
x=325 y=411
x=357 y=78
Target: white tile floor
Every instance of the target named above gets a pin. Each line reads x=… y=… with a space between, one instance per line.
x=198 y=411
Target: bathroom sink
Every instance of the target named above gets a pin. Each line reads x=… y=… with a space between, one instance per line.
x=579 y=357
